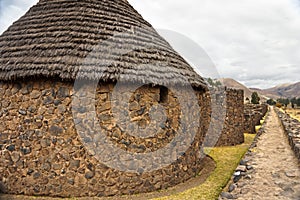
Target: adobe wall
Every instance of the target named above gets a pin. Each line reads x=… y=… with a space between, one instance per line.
x=253 y=113
x=291 y=127
x=231 y=123
x=43 y=152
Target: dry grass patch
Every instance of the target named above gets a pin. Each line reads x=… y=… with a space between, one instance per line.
x=294 y=113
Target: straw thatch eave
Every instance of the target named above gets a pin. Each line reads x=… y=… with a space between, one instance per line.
x=90 y=39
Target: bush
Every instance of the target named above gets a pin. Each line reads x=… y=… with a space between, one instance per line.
x=283 y=101
x=271 y=102
x=255 y=98
x=278 y=105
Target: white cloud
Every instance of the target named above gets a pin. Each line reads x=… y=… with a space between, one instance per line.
x=248 y=40
x=12 y=10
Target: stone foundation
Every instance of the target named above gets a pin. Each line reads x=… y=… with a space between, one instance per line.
x=44 y=150
x=253 y=113
x=291 y=127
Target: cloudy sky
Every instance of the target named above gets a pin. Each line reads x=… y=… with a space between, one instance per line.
x=256 y=42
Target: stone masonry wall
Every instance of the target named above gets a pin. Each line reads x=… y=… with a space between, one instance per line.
x=45 y=151
x=291 y=127
x=231 y=123
x=232 y=133
x=253 y=113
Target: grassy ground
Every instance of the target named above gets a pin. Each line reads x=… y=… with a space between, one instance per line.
x=227 y=159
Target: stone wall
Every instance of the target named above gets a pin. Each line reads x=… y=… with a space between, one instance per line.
x=253 y=113
x=291 y=127
x=49 y=144
x=231 y=122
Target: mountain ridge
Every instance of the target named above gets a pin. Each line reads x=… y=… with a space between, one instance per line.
x=287 y=90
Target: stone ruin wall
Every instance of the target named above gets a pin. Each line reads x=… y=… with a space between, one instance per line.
x=41 y=152
x=253 y=113
x=231 y=122
x=291 y=127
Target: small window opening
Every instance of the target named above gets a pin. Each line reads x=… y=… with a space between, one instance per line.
x=163 y=95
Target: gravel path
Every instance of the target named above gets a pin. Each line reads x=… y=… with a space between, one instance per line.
x=276 y=171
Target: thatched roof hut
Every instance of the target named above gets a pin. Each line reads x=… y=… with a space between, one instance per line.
x=55 y=37
x=45 y=150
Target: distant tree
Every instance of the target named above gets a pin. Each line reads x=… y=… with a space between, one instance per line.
x=293 y=105
x=255 y=98
x=218 y=83
x=284 y=101
x=210 y=82
x=213 y=82
x=287 y=102
x=294 y=100
x=298 y=102
x=271 y=102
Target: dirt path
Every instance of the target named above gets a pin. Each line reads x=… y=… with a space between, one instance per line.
x=276 y=171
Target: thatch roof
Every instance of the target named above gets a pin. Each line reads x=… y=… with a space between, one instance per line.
x=94 y=39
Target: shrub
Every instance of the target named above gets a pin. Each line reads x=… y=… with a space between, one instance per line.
x=278 y=105
x=255 y=98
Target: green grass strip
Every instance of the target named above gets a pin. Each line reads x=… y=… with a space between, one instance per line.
x=227 y=159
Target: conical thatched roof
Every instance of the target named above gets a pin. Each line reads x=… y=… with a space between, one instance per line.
x=94 y=39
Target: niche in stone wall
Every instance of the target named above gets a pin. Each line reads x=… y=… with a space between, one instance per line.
x=163 y=94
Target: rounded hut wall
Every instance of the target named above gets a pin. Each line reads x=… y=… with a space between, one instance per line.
x=41 y=152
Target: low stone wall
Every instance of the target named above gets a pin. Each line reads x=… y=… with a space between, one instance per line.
x=44 y=150
x=292 y=129
x=228 y=126
x=253 y=113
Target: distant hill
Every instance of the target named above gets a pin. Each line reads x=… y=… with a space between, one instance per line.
x=281 y=91
x=284 y=90
x=231 y=83
x=264 y=93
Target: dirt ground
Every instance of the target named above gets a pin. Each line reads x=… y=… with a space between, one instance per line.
x=276 y=171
